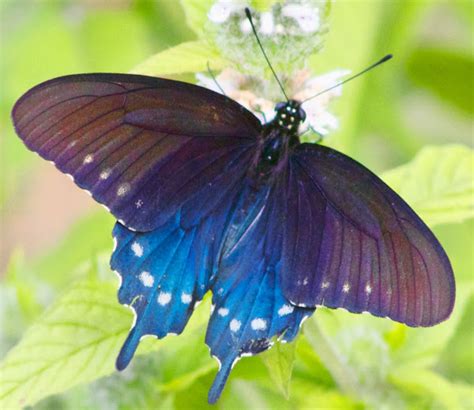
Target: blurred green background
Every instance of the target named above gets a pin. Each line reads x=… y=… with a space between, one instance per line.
x=55 y=239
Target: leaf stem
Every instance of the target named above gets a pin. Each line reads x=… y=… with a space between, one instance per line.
x=331 y=358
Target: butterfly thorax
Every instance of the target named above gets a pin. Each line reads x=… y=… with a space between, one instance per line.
x=277 y=136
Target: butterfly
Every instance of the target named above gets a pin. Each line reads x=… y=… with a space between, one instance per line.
x=207 y=198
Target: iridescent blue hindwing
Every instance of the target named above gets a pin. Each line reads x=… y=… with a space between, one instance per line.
x=164 y=273
x=250 y=308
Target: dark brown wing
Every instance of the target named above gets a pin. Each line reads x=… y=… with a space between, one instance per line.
x=352 y=242
x=142 y=146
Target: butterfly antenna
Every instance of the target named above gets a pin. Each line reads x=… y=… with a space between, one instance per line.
x=381 y=61
x=214 y=79
x=249 y=16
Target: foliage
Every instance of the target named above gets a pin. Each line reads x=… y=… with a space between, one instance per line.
x=61 y=323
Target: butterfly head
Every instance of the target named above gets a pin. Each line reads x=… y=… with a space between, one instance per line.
x=289 y=115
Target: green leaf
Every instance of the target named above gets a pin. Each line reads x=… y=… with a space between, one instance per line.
x=189 y=57
x=75 y=341
x=438 y=183
x=311 y=396
x=279 y=361
x=68 y=346
x=457 y=359
x=445 y=72
x=196 y=13
x=427 y=383
x=335 y=362
x=183 y=381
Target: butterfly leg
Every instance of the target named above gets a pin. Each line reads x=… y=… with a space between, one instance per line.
x=318 y=134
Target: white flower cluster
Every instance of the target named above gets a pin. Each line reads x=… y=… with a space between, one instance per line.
x=304 y=14
x=237 y=86
x=290 y=31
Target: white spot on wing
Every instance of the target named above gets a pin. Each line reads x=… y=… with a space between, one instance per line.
x=123 y=189
x=346 y=287
x=137 y=249
x=324 y=285
x=223 y=312
x=368 y=289
x=146 y=279
x=88 y=159
x=115 y=244
x=235 y=325
x=285 y=310
x=105 y=173
x=139 y=203
x=258 y=324
x=186 y=298
x=164 y=298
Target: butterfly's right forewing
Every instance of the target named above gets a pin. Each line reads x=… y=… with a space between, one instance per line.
x=352 y=242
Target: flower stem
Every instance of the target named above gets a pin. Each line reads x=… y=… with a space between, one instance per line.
x=331 y=358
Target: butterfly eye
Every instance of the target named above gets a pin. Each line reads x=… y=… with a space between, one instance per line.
x=280 y=105
x=302 y=114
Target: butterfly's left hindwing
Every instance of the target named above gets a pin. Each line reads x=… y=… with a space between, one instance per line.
x=164 y=273
x=352 y=242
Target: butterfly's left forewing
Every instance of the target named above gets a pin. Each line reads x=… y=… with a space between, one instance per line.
x=141 y=146
x=352 y=242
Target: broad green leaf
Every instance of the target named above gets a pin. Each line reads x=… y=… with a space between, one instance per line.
x=309 y=364
x=75 y=341
x=311 y=396
x=331 y=356
x=279 y=361
x=190 y=57
x=438 y=183
x=427 y=383
x=446 y=72
x=184 y=381
x=69 y=345
x=457 y=359
x=196 y=13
